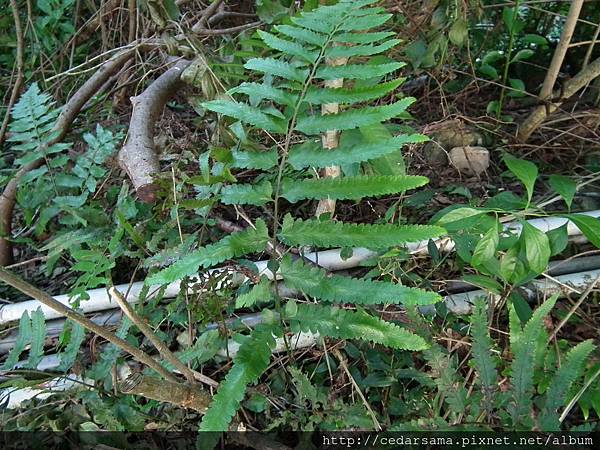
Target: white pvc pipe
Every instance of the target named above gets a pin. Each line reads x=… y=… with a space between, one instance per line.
x=329 y=259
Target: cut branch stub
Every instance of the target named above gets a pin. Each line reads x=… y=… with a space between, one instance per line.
x=138 y=156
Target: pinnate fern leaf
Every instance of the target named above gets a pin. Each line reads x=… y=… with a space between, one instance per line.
x=251 y=361
x=288 y=47
x=524 y=351
x=38 y=337
x=343 y=324
x=235 y=245
x=354 y=118
x=360 y=50
x=23 y=339
x=349 y=187
x=260 y=292
x=317 y=283
x=69 y=355
x=302 y=34
x=338 y=234
x=247 y=194
x=311 y=154
x=571 y=369
x=253 y=159
x=261 y=90
x=482 y=346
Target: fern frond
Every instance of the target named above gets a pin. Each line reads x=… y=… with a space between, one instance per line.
x=205 y=347
x=23 y=339
x=360 y=50
x=338 y=234
x=524 y=351
x=251 y=361
x=288 y=47
x=260 y=292
x=482 y=346
x=571 y=369
x=343 y=324
x=357 y=71
x=69 y=355
x=354 y=118
x=311 y=154
x=246 y=113
x=277 y=68
x=235 y=245
x=349 y=187
x=38 y=338
x=302 y=35
x=247 y=194
x=319 y=96
x=363 y=38
x=261 y=90
x=254 y=160
x=317 y=283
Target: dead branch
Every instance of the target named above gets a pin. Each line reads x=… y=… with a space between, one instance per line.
x=64 y=121
x=137 y=156
x=186 y=396
x=221 y=31
x=206 y=15
x=18 y=283
x=20 y=69
x=539 y=114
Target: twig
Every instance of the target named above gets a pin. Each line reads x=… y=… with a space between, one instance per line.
x=221 y=31
x=20 y=68
x=575 y=399
x=186 y=396
x=27 y=288
x=147 y=331
x=206 y=14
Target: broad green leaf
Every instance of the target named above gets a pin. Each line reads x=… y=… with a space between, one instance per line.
x=484 y=282
x=486 y=247
x=558 y=239
x=458 y=32
x=565 y=187
x=525 y=171
x=521 y=55
x=537 y=247
x=589 y=226
x=349 y=187
x=459 y=214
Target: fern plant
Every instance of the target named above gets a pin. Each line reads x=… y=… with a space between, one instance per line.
x=282 y=110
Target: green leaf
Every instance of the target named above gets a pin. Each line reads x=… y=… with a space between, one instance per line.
x=277 y=68
x=76 y=338
x=571 y=369
x=317 y=283
x=565 y=187
x=233 y=246
x=485 y=249
x=342 y=324
x=288 y=47
x=247 y=114
x=264 y=91
x=521 y=55
x=254 y=160
x=349 y=187
x=352 y=119
x=484 y=282
x=247 y=194
x=537 y=247
x=23 y=339
x=319 y=96
x=338 y=234
x=357 y=71
x=343 y=51
x=482 y=348
x=312 y=155
x=525 y=171
x=459 y=214
x=38 y=338
x=363 y=38
x=458 y=32
x=534 y=39
x=259 y=293
x=558 y=239
x=302 y=34
x=588 y=225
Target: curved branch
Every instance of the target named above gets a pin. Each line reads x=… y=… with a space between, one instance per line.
x=65 y=119
x=137 y=156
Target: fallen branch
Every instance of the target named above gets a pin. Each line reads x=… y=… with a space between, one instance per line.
x=65 y=119
x=20 y=69
x=539 y=114
x=18 y=283
x=137 y=156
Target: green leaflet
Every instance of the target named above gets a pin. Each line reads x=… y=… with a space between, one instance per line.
x=235 y=245
x=259 y=293
x=68 y=357
x=38 y=337
x=288 y=47
x=357 y=71
x=260 y=90
x=349 y=187
x=343 y=324
x=571 y=369
x=524 y=351
x=246 y=113
x=205 y=347
x=360 y=50
x=254 y=160
x=338 y=234
x=302 y=34
x=317 y=283
x=363 y=38
x=365 y=22
x=251 y=361
x=482 y=346
x=318 y=96
x=354 y=118
x=23 y=339
x=247 y=194
x=278 y=68
x=311 y=154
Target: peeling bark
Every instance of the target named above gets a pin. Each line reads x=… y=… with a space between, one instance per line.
x=138 y=156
